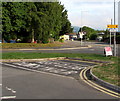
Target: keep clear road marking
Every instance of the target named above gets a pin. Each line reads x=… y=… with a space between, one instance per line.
x=37 y=71
x=96 y=86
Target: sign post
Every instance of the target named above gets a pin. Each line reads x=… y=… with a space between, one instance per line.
x=81 y=36
x=108 y=51
x=113 y=27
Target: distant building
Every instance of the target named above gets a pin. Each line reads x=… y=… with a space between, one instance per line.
x=119 y=16
x=69 y=36
x=72 y=36
x=100 y=36
x=65 y=37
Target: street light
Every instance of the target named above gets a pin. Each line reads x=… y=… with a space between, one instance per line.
x=81 y=18
x=81 y=26
x=114 y=32
x=110 y=33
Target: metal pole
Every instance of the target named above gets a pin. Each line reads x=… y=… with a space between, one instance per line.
x=110 y=34
x=81 y=27
x=114 y=32
x=110 y=38
x=81 y=24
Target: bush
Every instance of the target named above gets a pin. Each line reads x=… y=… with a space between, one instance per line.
x=51 y=40
x=61 y=40
x=44 y=41
x=93 y=36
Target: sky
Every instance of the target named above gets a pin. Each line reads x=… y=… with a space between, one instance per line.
x=96 y=14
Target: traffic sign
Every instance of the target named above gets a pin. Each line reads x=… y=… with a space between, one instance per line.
x=112 y=26
x=81 y=34
x=113 y=30
x=108 y=51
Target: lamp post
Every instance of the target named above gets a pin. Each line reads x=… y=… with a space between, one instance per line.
x=114 y=32
x=110 y=33
x=81 y=32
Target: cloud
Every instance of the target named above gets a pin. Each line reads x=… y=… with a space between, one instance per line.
x=98 y=16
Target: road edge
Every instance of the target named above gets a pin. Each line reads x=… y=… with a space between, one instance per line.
x=104 y=83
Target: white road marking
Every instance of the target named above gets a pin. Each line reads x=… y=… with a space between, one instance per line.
x=8 y=88
x=37 y=71
x=8 y=97
x=92 y=49
x=13 y=91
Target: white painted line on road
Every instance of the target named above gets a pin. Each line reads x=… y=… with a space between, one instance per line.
x=13 y=91
x=8 y=97
x=37 y=71
x=91 y=49
x=8 y=88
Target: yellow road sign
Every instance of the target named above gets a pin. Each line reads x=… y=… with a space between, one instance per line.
x=112 y=26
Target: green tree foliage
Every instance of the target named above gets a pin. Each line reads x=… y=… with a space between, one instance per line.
x=66 y=25
x=31 y=21
x=90 y=33
x=13 y=19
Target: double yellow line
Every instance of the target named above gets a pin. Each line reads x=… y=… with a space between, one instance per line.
x=92 y=84
x=96 y=86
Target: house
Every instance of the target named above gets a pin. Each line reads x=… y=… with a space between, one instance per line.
x=72 y=36
x=100 y=36
x=69 y=36
x=65 y=37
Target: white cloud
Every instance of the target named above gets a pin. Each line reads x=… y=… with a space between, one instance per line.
x=98 y=16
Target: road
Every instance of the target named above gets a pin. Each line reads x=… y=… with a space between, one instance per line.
x=25 y=84
x=96 y=48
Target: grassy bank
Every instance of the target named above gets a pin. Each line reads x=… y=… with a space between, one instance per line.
x=107 y=72
x=29 y=45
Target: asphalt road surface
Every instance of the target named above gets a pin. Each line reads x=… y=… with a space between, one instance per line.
x=97 y=48
x=23 y=84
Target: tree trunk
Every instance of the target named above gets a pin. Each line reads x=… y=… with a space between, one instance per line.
x=32 y=36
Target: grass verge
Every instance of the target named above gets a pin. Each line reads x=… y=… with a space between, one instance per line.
x=106 y=72
x=35 y=55
x=29 y=45
x=109 y=72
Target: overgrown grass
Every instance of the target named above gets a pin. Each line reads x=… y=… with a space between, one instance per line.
x=29 y=45
x=107 y=72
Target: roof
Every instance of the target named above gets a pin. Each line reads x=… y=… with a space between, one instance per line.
x=70 y=34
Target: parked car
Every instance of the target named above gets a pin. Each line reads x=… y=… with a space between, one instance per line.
x=12 y=41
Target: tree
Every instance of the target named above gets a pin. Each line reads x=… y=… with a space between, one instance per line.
x=66 y=25
x=12 y=19
x=34 y=21
x=90 y=33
